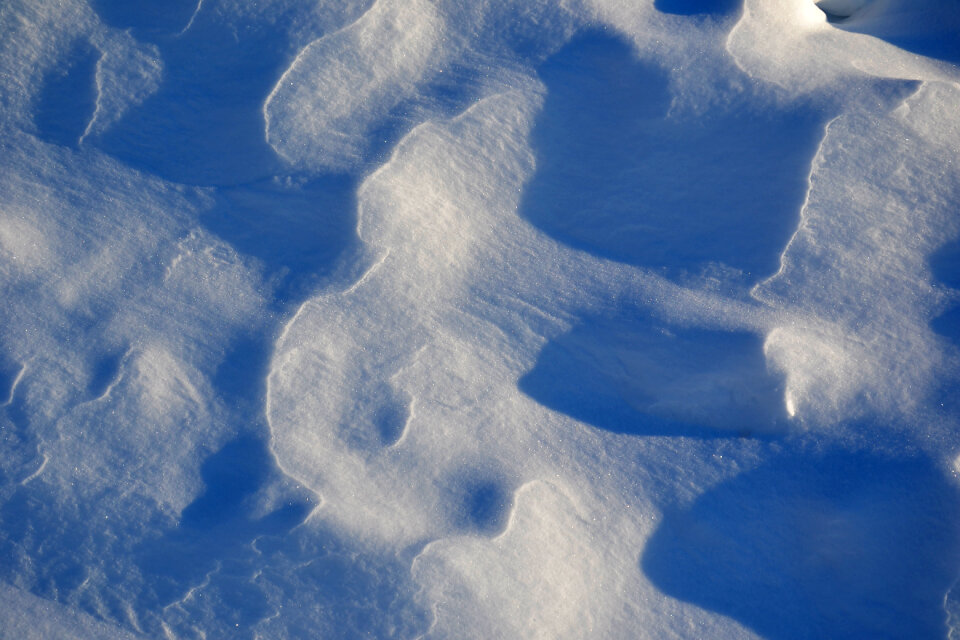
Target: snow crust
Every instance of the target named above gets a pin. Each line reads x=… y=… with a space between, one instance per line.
x=517 y=319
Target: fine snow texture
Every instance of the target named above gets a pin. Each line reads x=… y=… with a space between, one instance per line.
x=513 y=319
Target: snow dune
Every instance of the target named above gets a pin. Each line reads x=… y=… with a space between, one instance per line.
x=518 y=319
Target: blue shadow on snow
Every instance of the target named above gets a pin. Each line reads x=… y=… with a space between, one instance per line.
x=633 y=375
x=945 y=265
x=698 y=7
x=68 y=97
x=298 y=231
x=838 y=545
x=147 y=18
x=618 y=177
x=205 y=126
x=220 y=525
x=925 y=27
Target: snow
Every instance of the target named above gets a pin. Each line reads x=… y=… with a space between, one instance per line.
x=519 y=319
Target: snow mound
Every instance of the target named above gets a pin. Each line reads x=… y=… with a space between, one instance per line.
x=417 y=319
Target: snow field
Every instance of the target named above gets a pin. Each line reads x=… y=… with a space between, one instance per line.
x=522 y=319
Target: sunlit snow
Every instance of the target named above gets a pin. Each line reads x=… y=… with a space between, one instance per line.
x=493 y=319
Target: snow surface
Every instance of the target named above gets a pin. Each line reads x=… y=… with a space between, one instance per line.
x=499 y=319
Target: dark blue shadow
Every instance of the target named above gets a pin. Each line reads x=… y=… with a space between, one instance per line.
x=479 y=501
x=390 y=417
x=947 y=324
x=945 y=264
x=945 y=267
x=298 y=231
x=633 y=375
x=205 y=125
x=104 y=372
x=925 y=27
x=222 y=522
x=486 y=507
x=618 y=177
x=68 y=97
x=231 y=475
x=840 y=545
x=240 y=378
x=698 y=7
x=148 y=18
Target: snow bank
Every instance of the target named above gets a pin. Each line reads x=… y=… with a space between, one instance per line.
x=410 y=319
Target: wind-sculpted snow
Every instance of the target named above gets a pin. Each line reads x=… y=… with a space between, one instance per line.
x=884 y=326
x=850 y=522
x=341 y=81
x=801 y=52
x=521 y=319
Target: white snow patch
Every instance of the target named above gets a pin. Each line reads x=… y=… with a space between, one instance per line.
x=324 y=107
